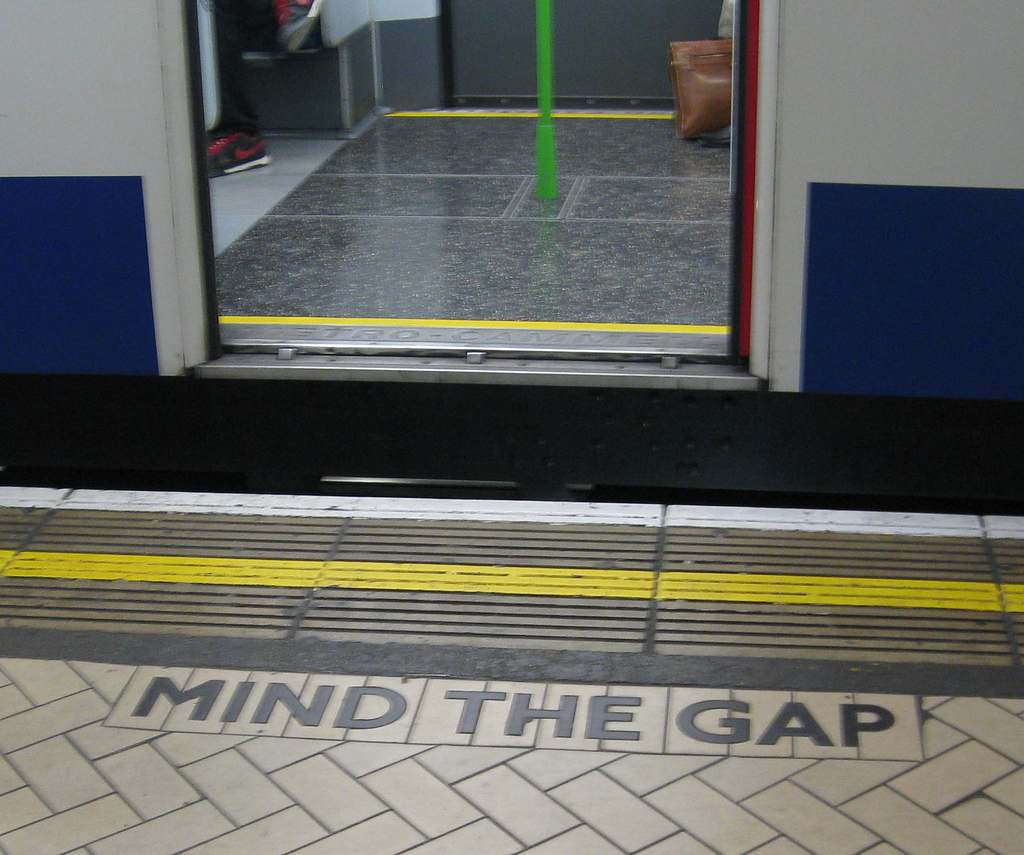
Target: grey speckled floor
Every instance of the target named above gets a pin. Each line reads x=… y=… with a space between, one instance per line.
x=437 y=218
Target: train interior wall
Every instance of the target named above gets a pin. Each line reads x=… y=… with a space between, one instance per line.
x=604 y=51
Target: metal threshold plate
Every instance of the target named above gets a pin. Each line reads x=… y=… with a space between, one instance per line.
x=328 y=336
x=525 y=353
x=523 y=372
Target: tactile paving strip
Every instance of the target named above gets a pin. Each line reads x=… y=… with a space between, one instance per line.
x=147 y=607
x=214 y=535
x=831 y=553
x=563 y=623
x=522 y=545
x=1008 y=555
x=882 y=635
x=16 y=524
x=681 y=590
x=830 y=595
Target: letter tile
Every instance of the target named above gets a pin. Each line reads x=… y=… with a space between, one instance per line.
x=438 y=718
x=901 y=741
x=826 y=708
x=124 y=712
x=648 y=719
x=710 y=727
x=326 y=728
x=552 y=699
x=411 y=692
x=765 y=710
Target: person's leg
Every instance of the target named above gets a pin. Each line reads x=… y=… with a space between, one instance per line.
x=237 y=110
x=296 y=20
x=235 y=144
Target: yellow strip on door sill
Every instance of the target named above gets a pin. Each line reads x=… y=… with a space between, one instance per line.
x=553 y=326
x=527 y=114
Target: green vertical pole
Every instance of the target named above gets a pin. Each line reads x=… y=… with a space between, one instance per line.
x=547 y=178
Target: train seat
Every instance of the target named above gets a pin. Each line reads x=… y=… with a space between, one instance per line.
x=341 y=19
x=328 y=89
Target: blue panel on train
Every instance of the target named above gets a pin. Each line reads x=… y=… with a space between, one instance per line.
x=915 y=291
x=74 y=277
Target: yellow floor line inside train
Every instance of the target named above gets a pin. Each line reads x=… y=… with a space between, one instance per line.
x=529 y=114
x=700 y=329
x=523 y=581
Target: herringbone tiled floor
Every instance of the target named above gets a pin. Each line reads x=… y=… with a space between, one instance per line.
x=75 y=779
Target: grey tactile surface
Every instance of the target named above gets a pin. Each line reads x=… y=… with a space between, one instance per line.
x=286 y=607
x=75 y=780
x=437 y=218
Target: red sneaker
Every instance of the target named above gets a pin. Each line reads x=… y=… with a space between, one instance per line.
x=234 y=153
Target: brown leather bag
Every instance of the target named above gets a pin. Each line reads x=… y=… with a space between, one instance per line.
x=701 y=75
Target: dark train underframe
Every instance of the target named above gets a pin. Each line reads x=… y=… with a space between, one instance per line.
x=515 y=442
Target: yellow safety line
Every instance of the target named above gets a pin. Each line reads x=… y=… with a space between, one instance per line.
x=516 y=325
x=830 y=591
x=553 y=581
x=5 y=556
x=525 y=114
x=530 y=581
x=200 y=570
x=537 y=581
x=1013 y=597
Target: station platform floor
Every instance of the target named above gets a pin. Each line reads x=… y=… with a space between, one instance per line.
x=212 y=673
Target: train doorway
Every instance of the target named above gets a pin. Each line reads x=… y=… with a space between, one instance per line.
x=421 y=235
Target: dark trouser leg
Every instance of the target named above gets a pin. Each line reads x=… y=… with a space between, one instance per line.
x=235 y=19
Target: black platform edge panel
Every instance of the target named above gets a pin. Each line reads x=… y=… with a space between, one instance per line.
x=284 y=437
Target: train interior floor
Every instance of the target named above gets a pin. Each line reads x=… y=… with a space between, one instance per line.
x=436 y=217
x=217 y=673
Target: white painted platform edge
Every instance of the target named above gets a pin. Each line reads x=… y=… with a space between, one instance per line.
x=1004 y=527
x=557 y=513
x=554 y=513
x=850 y=522
x=31 y=497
